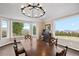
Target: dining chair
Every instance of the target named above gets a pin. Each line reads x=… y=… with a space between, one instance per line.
x=62 y=52
x=17 y=50
x=53 y=41
x=28 y=37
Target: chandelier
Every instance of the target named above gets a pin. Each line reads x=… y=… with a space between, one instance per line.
x=33 y=10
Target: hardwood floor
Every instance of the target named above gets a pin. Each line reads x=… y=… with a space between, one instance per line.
x=8 y=51
x=38 y=48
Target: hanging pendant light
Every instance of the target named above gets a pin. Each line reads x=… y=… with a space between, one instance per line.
x=33 y=10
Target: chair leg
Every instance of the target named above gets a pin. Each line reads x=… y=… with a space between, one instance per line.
x=56 y=42
x=25 y=54
x=23 y=51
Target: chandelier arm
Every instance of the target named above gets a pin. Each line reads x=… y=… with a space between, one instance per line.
x=32 y=7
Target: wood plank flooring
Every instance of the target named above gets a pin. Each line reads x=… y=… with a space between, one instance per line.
x=8 y=51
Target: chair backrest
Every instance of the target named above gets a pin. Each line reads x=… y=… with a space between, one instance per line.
x=63 y=52
x=28 y=37
x=15 y=47
x=52 y=39
x=15 y=43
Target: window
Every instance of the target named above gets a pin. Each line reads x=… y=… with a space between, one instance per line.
x=68 y=27
x=0 y=29
x=12 y=28
x=17 y=28
x=21 y=28
x=4 y=28
x=34 y=29
x=26 y=28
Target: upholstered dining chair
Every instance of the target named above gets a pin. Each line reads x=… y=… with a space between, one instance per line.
x=28 y=37
x=53 y=40
x=63 y=52
x=17 y=50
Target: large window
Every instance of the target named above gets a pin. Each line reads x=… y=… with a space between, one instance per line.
x=17 y=28
x=14 y=28
x=0 y=29
x=9 y=28
x=68 y=27
x=26 y=28
x=4 y=28
x=34 y=29
x=23 y=28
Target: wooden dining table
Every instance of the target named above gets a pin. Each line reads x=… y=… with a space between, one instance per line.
x=36 y=47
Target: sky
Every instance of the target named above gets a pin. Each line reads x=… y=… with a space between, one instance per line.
x=26 y=26
x=71 y=23
x=4 y=23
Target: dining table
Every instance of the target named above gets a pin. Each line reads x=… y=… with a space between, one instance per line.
x=37 y=47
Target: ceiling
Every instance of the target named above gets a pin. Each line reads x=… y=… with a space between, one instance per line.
x=53 y=10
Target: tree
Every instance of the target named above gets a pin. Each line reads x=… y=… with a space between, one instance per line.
x=17 y=28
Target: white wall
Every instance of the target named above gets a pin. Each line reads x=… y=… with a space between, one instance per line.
x=0 y=29
x=40 y=27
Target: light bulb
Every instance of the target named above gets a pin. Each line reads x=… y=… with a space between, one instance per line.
x=37 y=8
x=23 y=11
x=36 y=15
x=40 y=5
x=45 y=10
x=29 y=14
x=22 y=6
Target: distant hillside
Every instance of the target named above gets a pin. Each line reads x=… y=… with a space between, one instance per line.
x=77 y=31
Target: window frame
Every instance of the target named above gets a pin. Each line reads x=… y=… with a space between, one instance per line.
x=4 y=19
x=31 y=28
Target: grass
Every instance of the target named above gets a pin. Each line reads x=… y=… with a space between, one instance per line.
x=68 y=38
